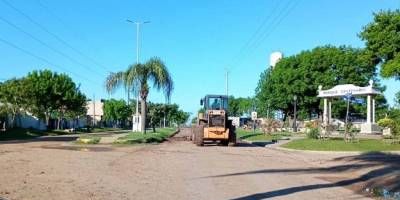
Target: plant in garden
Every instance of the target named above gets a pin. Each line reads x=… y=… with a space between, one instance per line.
x=389 y=123
x=313 y=133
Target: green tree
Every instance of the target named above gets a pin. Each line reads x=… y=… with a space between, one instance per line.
x=239 y=106
x=301 y=75
x=137 y=78
x=383 y=42
x=116 y=111
x=12 y=99
x=52 y=94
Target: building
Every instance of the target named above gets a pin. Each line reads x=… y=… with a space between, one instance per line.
x=94 y=113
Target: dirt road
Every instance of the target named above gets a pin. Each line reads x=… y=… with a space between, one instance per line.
x=172 y=170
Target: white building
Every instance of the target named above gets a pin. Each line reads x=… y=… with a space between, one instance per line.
x=94 y=112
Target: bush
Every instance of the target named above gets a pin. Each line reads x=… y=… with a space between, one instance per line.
x=389 y=123
x=313 y=133
x=88 y=140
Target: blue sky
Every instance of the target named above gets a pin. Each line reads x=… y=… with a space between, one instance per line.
x=196 y=39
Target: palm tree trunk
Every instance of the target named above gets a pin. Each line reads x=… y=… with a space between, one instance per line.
x=143 y=115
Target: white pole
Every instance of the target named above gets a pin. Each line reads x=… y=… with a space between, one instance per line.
x=368 y=109
x=226 y=81
x=137 y=62
x=373 y=110
x=94 y=111
x=325 y=114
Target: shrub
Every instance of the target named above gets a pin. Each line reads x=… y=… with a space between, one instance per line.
x=88 y=140
x=313 y=133
x=389 y=123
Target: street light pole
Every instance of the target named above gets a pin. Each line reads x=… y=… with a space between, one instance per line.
x=295 y=114
x=137 y=62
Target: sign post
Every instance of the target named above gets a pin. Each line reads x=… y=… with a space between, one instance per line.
x=348 y=97
x=254 y=118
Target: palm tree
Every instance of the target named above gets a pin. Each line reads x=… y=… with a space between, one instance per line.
x=136 y=79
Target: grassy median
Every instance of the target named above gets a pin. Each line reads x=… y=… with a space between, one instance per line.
x=338 y=144
x=259 y=135
x=159 y=136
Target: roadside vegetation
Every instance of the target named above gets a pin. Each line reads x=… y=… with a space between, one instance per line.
x=49 y=96
x=258 y=135
x=88 y=139
x=338 y=144
x=159 y=136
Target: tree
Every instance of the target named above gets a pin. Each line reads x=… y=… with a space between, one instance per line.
x=383 y=42
x=52 y=94
x=137 y=78
x=239 y=106
x=12 y=98
x=397 y=99
x=301 y=75
x=156 y=112
x=116 y=111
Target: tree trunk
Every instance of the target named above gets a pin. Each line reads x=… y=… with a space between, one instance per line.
x=143 y=114
x=58 y=123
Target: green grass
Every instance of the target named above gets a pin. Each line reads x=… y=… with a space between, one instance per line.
x=88 y=139
x=105 y=129
x=137 y=138
x=338 y=144
x=259 y=135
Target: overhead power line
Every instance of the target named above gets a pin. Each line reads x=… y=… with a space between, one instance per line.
x=43 y=59
x=43 y=28
x=252 y=44
x=256 y=33
x=48 y=46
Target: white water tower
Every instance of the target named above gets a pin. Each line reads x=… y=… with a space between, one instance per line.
x=274 y=58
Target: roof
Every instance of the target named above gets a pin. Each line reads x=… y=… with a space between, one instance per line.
x=343 y=90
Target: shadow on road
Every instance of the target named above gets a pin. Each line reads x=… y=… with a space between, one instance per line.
x=383 y=172
x=66 y=138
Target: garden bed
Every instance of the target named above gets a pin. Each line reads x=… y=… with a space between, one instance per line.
x=150 y=137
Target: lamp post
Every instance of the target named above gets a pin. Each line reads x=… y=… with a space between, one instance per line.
x=137 y=62
x=295 y=114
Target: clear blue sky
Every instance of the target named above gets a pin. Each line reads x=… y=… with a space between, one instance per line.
x=196 y=39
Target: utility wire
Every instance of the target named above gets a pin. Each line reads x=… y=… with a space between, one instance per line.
x=46 y=45
x=43 y=59
x=256 y=33
x=285 y=12
x=50 y=12
x=53 y=35
x=274 y=23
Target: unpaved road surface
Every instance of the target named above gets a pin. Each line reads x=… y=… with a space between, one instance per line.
x=172 y=170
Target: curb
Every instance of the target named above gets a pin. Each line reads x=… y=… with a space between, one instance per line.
x=333 y=152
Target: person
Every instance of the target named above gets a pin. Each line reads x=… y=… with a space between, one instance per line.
x=215 y=105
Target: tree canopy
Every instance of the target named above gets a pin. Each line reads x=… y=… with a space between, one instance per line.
x=300 y=75
x=239 y=106
x=383 y=42
x=44 y=94
x=116 y=111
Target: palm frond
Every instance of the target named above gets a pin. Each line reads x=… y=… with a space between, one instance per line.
x=160 y=76
x=114 y=81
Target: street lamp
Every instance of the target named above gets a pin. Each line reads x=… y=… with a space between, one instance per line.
x=295 y=114
x=137 y=62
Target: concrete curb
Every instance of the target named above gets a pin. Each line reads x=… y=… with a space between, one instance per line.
x=333 y=152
